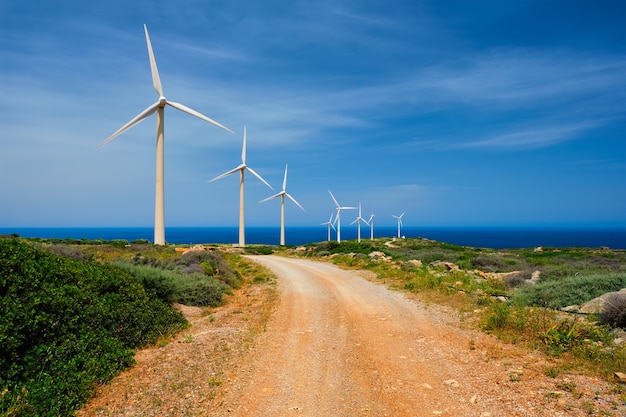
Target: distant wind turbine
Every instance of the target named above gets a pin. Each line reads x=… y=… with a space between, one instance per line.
x=399 y=219
x=330 y=224
x=358 y=221
x=241 y=169
x=158 y=107
x=338 y=218
x=371 y=223
x=282 y=196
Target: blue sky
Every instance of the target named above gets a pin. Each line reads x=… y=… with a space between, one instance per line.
x=461 y=113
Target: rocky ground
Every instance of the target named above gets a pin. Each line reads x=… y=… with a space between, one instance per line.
x=329 y=342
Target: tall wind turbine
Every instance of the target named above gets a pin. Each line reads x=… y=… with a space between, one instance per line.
x=330 y=224
x=242 y=168
x=371 y=223
x=282 y=195
x=399 y=219
x=358 y=221
x=338 y=218
x=158 y=107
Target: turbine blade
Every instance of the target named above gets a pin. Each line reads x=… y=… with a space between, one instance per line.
x=285 y=179
x=253 y=172
x=402 y=214
x=356 y=220
x=192 y=112
x=243 y=149
x=334 y=199
x=294 y=200
x=156 y=81
x=146 y=113
x=232 y=171
x=270 y=197
x=347 y=208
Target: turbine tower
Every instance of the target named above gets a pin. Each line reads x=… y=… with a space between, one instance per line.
x=399 y=219
x=242 y=168
x=330 y=224
x=158 y=107
x=371 y=223
x=358 y=221
x=282 y=196
x=338 y=217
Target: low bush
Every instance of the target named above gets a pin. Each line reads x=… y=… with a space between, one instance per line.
x=212 y=261
x=199 y=290
x=68 y=325
x=179 y=286
x=571 y=290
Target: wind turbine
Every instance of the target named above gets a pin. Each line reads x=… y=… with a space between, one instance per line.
x=330 y=224
x=158 y=107
x=399 y=219
x=282 y=195
x=242 y=168
x=338 y=218
x=358 y=221
x=371 y=223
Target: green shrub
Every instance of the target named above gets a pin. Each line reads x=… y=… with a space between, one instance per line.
x=178 y=286
x=571 y=290
x=67 y=326
x=199 y=290
x=162 y=282
x=221 y=269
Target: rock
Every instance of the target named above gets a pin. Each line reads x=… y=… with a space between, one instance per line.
x=620 y=376
x=451 y=382
x=416 y=263
x=538 y=249
x=300 y=249
x=595 y=306
x=448 y=265
x=376 y=254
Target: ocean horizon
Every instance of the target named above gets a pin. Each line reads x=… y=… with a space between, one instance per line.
x=496 y=238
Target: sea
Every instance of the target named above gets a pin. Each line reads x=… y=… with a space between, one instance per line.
x=496 y=238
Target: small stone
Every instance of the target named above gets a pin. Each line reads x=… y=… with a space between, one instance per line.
x=425 y=385
x=473 y=399
x=620 y=376
x=451 y=382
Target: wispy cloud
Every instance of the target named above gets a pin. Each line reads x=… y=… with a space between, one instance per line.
x=532 y=139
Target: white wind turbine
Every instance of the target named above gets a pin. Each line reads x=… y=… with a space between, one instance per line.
x=242 y=168
x=330 y=224
x=282 y=195
x=399 y=219
x=358 y=221
x=158 y=107
x=371 y=223
x=338 y=218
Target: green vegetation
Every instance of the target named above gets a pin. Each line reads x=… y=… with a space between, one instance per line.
x=68 y=325
x=514 y=294
x=74 y=311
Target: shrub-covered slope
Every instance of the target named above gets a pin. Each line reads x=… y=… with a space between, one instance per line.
x=67 y=325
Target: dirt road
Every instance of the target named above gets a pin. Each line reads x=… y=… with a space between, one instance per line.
x=337 y=345
x=340 y=345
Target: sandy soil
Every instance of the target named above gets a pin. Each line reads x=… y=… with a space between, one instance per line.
x=337 y=344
